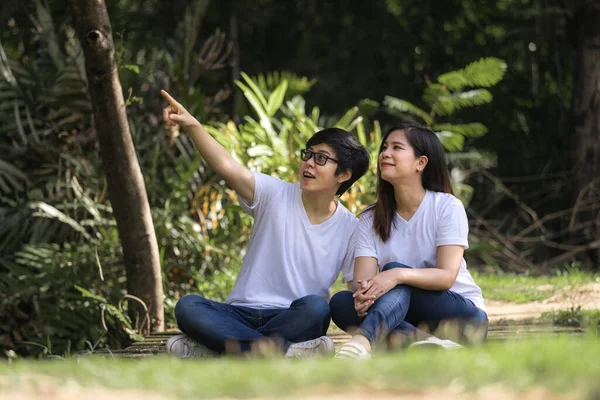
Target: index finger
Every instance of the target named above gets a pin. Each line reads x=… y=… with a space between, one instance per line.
x=170 y=99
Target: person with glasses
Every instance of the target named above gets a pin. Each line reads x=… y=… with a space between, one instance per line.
x=301 y=240
x=409 y=270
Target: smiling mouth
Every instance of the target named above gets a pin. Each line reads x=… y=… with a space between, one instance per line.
x=308 y=175
x=386 y=165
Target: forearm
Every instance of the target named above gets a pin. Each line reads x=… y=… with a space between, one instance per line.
x=216 y=156
x=221 y=162
x=426 y=278
x=364 y=269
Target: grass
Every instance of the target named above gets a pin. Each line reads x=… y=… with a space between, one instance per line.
x=559 y=365
x=523 y=288
x=576 y=316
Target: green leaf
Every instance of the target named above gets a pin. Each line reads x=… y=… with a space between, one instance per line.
x=347 y=119
x=255 y=102
x=447 y=105
x=485 y=72
x=259 y=151
x=451 y=141
x=47 y=211
x=297 y=85
x=472 y=98
x=475 y=129
x=256 y=90
x=132 y=67
x=360 y=132
x=403 y=106
x=276 y=98
x=434 y=92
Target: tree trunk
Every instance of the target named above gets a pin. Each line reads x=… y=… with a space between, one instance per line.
x=586 y=95
x=126 y=188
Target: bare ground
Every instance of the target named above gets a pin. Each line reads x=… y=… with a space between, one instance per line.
x=587 y=296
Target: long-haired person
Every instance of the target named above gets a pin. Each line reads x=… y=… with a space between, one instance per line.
x=409 y=267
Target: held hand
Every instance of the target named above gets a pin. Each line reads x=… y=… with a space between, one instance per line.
x=362 y=302
x=175 y=114
x=361 y=307
x=359 y=294
x=381 y=283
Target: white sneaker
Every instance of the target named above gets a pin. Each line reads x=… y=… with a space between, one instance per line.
x=321 y=346
x=183 y=346
x=432 y=341
x=353 y=351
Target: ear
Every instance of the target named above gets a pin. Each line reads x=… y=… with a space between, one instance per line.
x=344 y=176
x=421 y=163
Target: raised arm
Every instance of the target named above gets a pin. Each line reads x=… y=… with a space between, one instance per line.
x=217 y=157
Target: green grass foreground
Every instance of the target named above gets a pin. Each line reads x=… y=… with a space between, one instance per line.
x=568 y=365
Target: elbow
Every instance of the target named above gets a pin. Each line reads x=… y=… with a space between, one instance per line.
x=447 y=282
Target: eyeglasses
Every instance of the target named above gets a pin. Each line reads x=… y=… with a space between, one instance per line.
x=320 y=158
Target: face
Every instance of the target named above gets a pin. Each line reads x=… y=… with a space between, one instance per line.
x=397 y=160
x=320 y=178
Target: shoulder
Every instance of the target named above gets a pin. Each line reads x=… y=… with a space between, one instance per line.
x=445 y=201
x=448 y=209
x=345 y=216
x=262 y=178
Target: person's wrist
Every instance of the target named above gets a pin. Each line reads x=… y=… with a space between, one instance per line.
x=398 y=275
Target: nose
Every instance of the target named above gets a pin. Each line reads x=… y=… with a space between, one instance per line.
x=311 y=161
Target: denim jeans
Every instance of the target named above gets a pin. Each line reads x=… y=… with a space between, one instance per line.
x=213 y=324
x=404 y=307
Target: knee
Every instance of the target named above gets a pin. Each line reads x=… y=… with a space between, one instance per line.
x=341 y=300
x=185 y=305
x=342 y=310
x=392 y=265
x=315 y=306
x=480 y=317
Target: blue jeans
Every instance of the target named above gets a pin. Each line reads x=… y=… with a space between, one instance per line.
x=404 y=307
x=213 y=324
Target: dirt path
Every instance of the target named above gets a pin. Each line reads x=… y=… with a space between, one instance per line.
x=587 y=296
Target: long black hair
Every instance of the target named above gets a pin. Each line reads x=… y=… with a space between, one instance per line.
x=435 y=175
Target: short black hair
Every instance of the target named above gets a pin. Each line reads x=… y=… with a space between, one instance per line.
x=349 y=152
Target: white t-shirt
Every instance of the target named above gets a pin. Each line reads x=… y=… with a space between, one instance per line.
x=288 y=258
x=440 y=220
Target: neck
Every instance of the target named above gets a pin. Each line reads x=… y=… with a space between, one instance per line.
x=318 y=206
x=408 y=196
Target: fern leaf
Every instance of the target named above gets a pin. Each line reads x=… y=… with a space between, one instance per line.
x=485 y=72
x=472 y=98
x=451 y=141
x=403 y=106
x=475 y=129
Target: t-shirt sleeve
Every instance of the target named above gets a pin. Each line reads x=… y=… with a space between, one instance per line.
x=266 y=188
x=453 y=226
x=366 y=239
x=348 y=262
